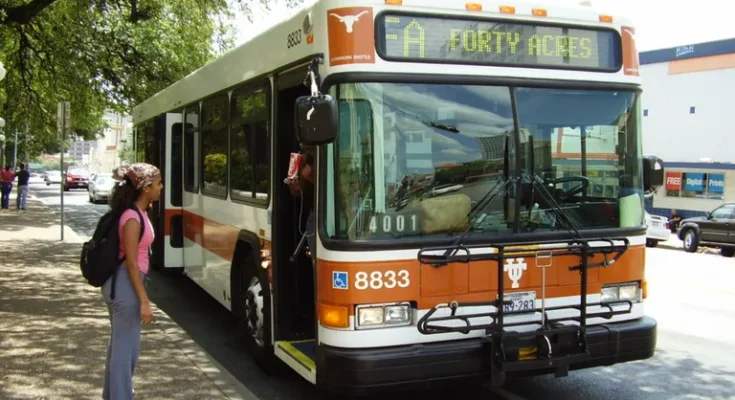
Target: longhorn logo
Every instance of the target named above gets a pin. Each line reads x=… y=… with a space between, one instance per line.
x=349 y=20
x=515 y=267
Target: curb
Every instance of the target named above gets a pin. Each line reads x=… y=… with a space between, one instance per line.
x=219 y=376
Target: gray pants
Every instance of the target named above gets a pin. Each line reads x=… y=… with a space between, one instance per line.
x=22 y=198
x=124 y=346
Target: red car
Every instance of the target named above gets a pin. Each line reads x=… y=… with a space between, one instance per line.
x=76 y=177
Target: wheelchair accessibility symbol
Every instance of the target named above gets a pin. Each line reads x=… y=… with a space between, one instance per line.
x=339 y=280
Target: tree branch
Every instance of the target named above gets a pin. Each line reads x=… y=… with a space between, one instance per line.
x=25 y=13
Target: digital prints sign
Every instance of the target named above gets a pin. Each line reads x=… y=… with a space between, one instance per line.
x=405 y=37
x=695 y=184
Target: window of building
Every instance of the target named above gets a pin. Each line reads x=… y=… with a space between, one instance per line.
x=191 y=149
x=645 y=112
x=214 y=145
x=250 y=144
x=692 y=109
x=695 y=185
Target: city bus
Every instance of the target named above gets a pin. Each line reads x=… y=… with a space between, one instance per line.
x=478 y=194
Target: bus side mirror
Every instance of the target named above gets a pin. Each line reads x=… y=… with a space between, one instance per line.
x=316 y=119
x=653 y=173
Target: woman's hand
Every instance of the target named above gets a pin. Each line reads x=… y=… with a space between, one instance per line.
x=146 y=312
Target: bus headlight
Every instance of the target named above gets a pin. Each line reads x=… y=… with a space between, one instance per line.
x=620 y=292
x=383 y=315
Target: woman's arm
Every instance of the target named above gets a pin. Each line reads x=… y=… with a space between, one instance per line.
x=131 y=237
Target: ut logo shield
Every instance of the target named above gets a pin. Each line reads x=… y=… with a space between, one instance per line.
x=351 y=35
x=515 y=267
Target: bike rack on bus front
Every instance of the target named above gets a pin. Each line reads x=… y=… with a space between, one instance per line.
x=611 y=250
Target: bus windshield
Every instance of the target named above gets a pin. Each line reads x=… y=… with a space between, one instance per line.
x=420 y=160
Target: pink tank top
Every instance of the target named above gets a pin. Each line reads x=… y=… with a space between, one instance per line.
x=145 y=242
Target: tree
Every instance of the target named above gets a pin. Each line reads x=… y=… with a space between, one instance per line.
x=100 y=54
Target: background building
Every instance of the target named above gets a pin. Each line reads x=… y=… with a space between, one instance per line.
x=106 y=153
x=687 y=99
x=80 y=150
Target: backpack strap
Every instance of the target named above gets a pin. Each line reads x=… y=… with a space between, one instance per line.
x=140 y=238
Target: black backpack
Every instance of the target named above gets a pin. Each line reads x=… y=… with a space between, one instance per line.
x=100 y=259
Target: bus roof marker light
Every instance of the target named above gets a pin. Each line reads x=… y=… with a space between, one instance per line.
x=507 y=9
x=606 y=18
x=394 y=2
x=473 y=7
x=539 y=12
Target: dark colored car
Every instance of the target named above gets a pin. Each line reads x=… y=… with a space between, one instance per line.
x=76 y=177
x=714 y=230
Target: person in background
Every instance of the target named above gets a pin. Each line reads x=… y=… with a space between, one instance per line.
x=674 y=221
x=23 y=177
x=139 y=187
x=6 y=185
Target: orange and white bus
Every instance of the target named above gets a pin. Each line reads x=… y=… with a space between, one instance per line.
x=459 y=234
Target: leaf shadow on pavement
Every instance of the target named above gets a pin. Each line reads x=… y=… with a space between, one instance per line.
x=54 y=330
x=664 y=376
x=14 y=221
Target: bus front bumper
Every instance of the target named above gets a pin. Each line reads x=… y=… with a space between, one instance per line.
x=422 y=366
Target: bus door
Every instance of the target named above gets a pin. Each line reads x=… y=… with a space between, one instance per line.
x=150 y=142
x=193 y=253
x=173 y=246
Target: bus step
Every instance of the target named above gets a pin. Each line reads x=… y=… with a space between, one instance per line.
x=303 y=351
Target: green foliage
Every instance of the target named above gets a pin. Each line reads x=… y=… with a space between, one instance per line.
x=215 y=169
x=98 y=55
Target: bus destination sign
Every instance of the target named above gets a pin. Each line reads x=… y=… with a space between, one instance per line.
x=413 y=38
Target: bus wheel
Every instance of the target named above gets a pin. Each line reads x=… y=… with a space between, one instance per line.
x=255 y=318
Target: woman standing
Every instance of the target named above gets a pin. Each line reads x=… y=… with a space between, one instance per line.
x=140 y=186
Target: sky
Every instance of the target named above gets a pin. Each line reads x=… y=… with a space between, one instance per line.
x=659 y=23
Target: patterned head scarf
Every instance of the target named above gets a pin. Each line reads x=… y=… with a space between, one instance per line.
x=140 y=174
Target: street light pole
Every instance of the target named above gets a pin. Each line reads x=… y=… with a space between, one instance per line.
x=2 y=137
x=15 y=149
x=2 y=151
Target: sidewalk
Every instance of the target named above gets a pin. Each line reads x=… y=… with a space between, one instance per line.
x=54 y=327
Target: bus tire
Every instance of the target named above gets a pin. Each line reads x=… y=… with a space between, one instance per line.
x=252 y=305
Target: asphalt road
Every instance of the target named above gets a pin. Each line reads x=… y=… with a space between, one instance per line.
x=689 y=294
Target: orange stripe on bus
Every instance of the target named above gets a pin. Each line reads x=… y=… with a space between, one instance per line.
x=170 y=213
x=217 y=238
x=473 y=282
x=408 y=280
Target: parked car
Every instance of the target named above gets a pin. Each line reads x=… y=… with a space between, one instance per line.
x=53 y=177
x=76 y=177
x=658 y=229
x=711 y=230
x=100 y=187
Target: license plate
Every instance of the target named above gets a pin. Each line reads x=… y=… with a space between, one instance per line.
x=520 y=302
x=656 y=224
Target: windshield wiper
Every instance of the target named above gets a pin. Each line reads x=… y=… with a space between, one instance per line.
x=571 y=225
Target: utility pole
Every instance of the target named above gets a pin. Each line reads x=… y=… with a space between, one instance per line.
x=62 y=125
